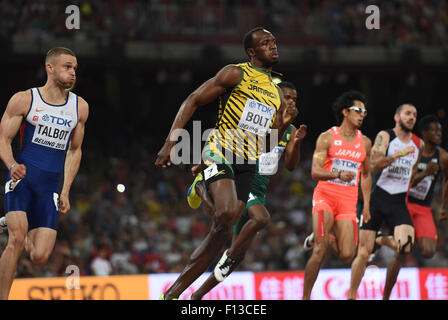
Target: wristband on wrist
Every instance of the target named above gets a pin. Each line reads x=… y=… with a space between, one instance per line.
x=12 y=166
x=403 y=153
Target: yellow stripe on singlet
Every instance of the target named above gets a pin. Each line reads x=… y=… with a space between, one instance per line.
x=256 y=85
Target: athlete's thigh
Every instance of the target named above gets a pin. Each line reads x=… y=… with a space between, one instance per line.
x=244 y=175
x=323 y=221
x=398 y=215
x=246 y=214
x=224 y=195
x=424 y=226
x=426 y=245
x=17 y=222
x=377 y=204
x=323 y=217
x=366 y=240
x=44 y=210
x=43 y=239
x=219 y=180
x=258 y=211
x=344 y=231
x=18 y=198
x=43 y=221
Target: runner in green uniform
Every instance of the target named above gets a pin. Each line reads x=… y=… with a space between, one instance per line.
x=255 y=215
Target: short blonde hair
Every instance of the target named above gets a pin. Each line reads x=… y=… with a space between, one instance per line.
x=55 y=52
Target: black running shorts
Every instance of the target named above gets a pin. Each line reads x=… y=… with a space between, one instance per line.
x=388 y=208
x=215 y=167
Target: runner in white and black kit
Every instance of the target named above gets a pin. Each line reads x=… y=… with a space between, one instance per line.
x=433 y=163
x=395 y=155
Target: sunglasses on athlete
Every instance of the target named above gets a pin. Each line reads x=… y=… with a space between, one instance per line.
x=358 y=110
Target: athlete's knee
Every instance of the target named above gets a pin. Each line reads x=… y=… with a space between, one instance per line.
x=225 y=216
x=364 y=252
x=428 y=251
x=16 y=241
x=39 y=256
x=229 y=213
x=346 y=255
x=261 y=221
x=319 y=250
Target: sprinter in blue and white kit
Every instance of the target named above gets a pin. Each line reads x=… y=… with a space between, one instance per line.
x=51 y=121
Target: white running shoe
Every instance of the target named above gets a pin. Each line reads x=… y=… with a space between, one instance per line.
x=222 y=269
x=3 y=226
x=376 y=246
x=309 y=242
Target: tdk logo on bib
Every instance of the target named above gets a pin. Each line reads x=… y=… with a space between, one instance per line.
x=57 y=120
x=52 y=131
x=261 y=107
x=346 y=164
x=256 y=117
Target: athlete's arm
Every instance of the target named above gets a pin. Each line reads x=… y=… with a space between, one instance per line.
x=415 y=167
x=323 y=144
x=227 y=78
x=292 y=152
x=443 y=160
x=366 y=180
x=431 y=169
x=278 y=122
x=73 y=157
x=13 y=116
x=285 y=115
x=378 y=158
x=318 y=172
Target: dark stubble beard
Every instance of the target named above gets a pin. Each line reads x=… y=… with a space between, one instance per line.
x=403 y=127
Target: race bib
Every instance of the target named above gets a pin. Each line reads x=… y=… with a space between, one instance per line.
x=268 y=162
x=256 y=117
x=53 y=131
x=211 y=171
x=345 y=165
x=11 y=185
x=420 y=191
x=398 y=173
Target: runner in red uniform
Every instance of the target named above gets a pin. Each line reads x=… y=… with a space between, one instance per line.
x=341 y=158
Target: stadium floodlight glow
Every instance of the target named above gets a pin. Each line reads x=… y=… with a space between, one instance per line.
x=121 y=187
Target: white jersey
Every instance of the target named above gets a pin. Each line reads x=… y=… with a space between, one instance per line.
x=47 y=130
x=396 y=177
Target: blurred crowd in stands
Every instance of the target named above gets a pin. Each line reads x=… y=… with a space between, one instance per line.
x=323 y=22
